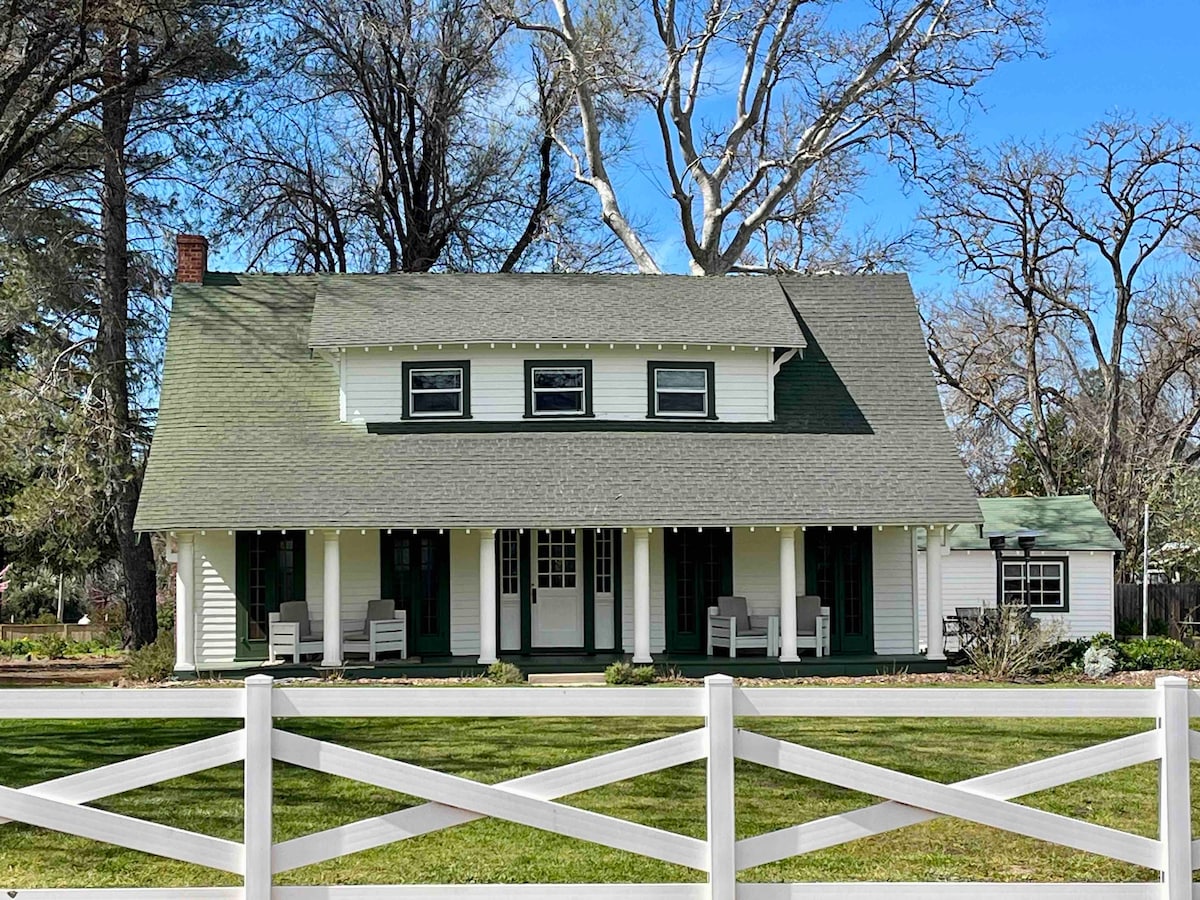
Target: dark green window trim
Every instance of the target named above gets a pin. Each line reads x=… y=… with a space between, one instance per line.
x=273 y=582
x=1066 y=579
x=526 y=575
x=419 y=644
x=585 y=364
x=618 y=624
x=711 y=379
x=589 y=591
x=406 y=401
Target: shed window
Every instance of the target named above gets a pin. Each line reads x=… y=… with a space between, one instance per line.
x=437 y=390
x=558 y=388
x=1042 y=584
x=681 y=390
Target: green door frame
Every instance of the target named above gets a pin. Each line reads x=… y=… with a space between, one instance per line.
x=525 y=542
x=256 y=648
x=436 y=643
x=844 y=543
x=695 y=641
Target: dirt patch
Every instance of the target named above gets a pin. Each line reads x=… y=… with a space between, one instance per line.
x=21 y=672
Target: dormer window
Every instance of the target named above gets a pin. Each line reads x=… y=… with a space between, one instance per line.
x=558 y=388
x=681 y=390
x=437 y=390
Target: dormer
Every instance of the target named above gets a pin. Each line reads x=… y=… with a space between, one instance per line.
x=447 y=352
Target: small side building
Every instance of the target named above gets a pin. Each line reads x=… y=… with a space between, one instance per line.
x=1068 y=574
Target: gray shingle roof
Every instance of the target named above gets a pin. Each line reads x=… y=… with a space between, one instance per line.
x=370 y=310
x=248 y=434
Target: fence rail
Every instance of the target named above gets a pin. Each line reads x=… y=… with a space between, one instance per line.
x=1168 y=603
x=70 y=632
x=530 y=800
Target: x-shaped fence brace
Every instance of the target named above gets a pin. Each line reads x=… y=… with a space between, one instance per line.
x=529 y=800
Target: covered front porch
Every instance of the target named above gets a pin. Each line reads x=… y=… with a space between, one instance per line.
x=555 y=599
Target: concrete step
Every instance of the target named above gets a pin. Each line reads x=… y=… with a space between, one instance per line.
x=561 y=678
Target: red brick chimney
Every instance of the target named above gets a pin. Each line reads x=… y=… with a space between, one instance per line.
x=191 y=258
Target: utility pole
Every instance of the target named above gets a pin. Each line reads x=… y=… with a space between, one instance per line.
x=1146 y=571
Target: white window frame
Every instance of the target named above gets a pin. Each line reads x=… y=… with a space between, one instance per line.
x=703 y=392
x=534 y=390
x=437 y=370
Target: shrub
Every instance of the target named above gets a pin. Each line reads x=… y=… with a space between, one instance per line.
x=154 y=662
x=166 y=616
x=1130 y=626
x=17 y=647
x=1100 y=660
x=1010 y=644
x=51 y=645
x=501 y=672
x=627 y=673
x=1157 y=653
x=1073 y=653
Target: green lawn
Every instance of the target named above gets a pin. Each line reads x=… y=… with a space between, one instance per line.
x=497 y=749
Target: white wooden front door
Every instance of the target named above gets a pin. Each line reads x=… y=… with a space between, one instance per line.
x=557 y=602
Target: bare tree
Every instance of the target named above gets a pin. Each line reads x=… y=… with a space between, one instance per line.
x=401 y=136
x=805 y=96
x=1084 y=313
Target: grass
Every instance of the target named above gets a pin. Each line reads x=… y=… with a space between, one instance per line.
x=491 y=750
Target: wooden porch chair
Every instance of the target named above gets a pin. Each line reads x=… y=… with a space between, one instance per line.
x=812 y=624
x=290 y=632
x=731 y=626
x=385 y=630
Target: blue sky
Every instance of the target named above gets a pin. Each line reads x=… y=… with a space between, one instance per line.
x=1132 y=56
x=1102 y=56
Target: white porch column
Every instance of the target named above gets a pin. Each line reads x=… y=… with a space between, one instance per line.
x=933 y=593
x=332 y=634
x=185 y=603
x=641 y=595
x=787 y=595
x=487 y=596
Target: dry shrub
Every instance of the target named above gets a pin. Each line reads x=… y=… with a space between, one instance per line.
x=1009 y=644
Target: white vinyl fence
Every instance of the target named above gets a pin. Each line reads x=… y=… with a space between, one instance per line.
x=60 y=804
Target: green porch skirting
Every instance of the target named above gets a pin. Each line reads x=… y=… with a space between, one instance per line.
x=686 y=666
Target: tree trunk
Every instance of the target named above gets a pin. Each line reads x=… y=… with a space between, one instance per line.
x=112 y=352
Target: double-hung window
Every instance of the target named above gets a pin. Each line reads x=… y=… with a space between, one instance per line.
x=683 y=390
x=1038 y=583
x=437 y=390
x=558 y=388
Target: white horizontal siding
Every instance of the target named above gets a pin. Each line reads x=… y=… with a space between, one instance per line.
x=891 y=560
x=969 y=579
x=359 y=573
x=373 y=380
x=464 y=593
x=215 y=586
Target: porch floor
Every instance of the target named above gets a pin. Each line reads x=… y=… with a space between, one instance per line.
x=689 y=666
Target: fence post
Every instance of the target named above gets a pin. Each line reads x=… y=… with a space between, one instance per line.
x=257 y=789
x=722 y=868
x=1174 y=788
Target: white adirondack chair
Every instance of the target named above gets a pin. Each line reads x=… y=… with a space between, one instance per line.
x=290 y=632
x=385 y=630
x=730 y=625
